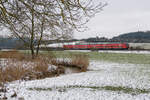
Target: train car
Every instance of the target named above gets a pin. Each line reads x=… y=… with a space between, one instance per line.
x=97 y=46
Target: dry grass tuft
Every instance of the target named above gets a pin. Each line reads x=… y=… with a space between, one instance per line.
x=77 y=60
x=38 y=68
x=1 y=77
x=13 y=54
x=41 y=64
x=11 y=71
x=18 y=67
x=81 y=61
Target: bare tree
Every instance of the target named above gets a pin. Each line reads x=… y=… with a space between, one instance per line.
x=38 y=19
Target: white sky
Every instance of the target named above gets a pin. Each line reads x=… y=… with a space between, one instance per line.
x=120 y=16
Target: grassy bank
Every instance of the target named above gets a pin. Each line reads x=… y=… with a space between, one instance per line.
x=15 y=65
x=103 y=56
x=112 y=57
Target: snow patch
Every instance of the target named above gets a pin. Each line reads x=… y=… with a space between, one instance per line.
x=100 y=74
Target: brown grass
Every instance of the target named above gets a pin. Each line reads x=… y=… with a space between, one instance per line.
x=12 y=54
x=12 y=73
x=41 y=64
x=1 y=77
x=80 y=60
x=77 y=60
x=37 y=68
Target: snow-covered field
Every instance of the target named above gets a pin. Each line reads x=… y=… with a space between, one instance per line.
x=102 y=81
x=115 y=51
x=126 y=51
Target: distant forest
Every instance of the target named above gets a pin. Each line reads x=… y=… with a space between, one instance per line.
x=132 y=37
x=10 y=43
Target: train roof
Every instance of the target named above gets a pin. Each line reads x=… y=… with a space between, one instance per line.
x=84 y=43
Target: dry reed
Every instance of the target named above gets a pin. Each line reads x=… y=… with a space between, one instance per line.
x=14 y=68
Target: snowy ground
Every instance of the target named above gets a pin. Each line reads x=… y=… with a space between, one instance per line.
x=103 y=81
x=115 y=51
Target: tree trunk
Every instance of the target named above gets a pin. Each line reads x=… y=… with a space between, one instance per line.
x=38 y=46
x=32 y=51
x=32 y=34
x=41 y=36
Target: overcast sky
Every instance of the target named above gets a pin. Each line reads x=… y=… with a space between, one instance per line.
x=120 y=16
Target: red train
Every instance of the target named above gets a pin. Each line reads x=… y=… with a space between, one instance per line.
x=97 y=46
